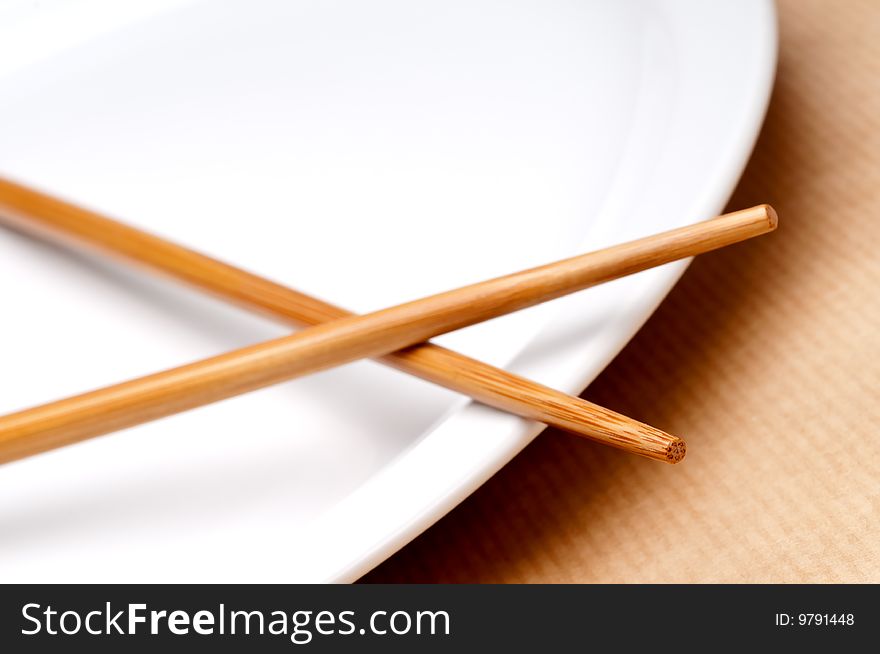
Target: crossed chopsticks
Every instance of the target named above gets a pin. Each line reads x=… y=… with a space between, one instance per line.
x=335 y=336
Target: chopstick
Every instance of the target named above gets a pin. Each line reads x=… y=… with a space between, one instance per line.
x=346 y=339
x=68 y=224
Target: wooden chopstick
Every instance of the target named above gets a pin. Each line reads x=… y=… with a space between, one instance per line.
x=68 y=224
x=346 y=339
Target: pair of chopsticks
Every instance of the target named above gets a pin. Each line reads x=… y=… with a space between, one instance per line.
x=335 y=337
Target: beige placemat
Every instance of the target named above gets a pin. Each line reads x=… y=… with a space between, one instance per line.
x=766 y=357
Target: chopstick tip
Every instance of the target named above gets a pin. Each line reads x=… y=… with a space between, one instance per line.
x=772 y=217
x=676 y=451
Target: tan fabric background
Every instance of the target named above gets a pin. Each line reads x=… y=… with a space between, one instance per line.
x=766 y=357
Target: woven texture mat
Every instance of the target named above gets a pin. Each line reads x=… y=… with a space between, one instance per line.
x=766 y=357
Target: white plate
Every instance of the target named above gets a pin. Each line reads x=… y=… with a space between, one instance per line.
x=366 y=152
